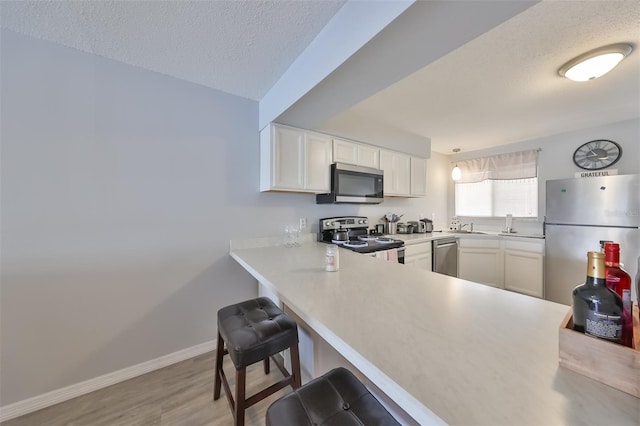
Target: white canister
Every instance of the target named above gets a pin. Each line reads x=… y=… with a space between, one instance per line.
x=332 y=258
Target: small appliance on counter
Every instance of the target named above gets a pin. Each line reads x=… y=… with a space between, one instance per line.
x=356 y=229
x=379 y=230
x=418 y=227
x=428 y=225
x=405 y=228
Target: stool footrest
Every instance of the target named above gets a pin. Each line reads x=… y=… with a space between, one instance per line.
x=268 y=391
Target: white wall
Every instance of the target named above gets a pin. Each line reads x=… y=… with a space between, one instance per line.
x=121 y=189
x=555 y=162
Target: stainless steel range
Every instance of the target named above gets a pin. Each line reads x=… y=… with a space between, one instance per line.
x=352 y=233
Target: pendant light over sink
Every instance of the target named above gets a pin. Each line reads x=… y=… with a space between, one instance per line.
x=595 y=63
x=456 y=174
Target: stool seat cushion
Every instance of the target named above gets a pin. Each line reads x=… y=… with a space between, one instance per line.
x=254 y=330
x=336 y=398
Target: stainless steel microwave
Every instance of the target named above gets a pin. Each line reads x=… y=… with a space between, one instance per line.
x=353 y=185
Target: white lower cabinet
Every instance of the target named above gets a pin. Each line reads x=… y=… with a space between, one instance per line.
x=480 y=260
x=512 y=263
x=418 y=255
x=524 y=266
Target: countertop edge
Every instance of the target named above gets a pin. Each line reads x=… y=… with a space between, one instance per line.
x=418 y=411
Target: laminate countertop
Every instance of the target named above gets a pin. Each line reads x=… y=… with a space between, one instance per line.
x=445 y=349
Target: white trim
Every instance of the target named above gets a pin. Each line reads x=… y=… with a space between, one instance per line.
x=48 y=399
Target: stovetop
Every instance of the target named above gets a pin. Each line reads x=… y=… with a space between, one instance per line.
x=368 y=244
x=358 y=232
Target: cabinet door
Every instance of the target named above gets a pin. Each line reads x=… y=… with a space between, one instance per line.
x=418 y=255
x=480 y=265
x=345 y=152
x=356 y=153
x=421 y=261
x=397 y=173
x=368 y=156
x=418 y=177
x=287 y=152
x=317 y=162
x=523 y=272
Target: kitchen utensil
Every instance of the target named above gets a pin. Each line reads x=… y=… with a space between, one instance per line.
x=392 y=217
x=380 y=228
x=341 y=234
x=392 y=228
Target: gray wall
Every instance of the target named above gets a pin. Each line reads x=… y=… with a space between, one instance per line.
x=555 y=162
x=121 y=189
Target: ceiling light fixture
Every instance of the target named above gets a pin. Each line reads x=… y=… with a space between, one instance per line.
x=595 y=63
x=456 y=174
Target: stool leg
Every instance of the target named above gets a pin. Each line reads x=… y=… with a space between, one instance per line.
x=218 y=379
x=240 y=396
x=295 y=366
x=267 y=367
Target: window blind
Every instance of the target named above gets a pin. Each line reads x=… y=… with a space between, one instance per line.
x=514 y=165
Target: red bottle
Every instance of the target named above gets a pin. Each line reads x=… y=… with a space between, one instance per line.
x=620 y=282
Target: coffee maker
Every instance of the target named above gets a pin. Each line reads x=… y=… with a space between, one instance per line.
x=428 y=225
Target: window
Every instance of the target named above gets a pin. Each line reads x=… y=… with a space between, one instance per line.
x=491 y=198
x=498 y=185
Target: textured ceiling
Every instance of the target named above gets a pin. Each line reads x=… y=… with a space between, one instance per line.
x=499 y=88
x=503 y=87
x=239 y=47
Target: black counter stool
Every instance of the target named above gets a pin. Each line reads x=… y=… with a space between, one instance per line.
x=336 y=398
x=254 y=330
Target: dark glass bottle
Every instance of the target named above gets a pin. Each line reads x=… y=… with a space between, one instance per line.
x=597 y=311
x=619 y=281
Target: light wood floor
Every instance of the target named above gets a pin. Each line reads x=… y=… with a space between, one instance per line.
x=180 y=394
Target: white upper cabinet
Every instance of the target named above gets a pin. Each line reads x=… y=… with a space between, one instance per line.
x=397 y=173
x=298 y=160
x=355 y=153
x=418 y=177
x=317 y=162
x=294 y=160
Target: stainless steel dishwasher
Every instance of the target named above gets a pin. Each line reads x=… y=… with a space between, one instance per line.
x=445 y=256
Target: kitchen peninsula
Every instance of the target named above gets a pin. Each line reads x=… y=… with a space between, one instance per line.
x=444 y=349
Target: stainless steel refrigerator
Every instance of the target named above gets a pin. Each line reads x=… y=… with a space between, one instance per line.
x=579 y=214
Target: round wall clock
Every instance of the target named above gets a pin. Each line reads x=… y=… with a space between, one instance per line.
x=597 y=154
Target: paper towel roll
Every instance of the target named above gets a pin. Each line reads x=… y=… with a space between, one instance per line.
x=509 y=222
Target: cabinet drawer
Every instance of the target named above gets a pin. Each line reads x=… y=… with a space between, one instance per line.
x=530 y=246
x=473 y=242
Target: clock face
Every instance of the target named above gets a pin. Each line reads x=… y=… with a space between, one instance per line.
x=597 y=154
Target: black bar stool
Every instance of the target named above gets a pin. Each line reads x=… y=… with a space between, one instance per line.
x=336 y=398
x=252 y=331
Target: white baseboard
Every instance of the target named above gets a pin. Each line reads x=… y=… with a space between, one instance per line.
x=48 y=399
